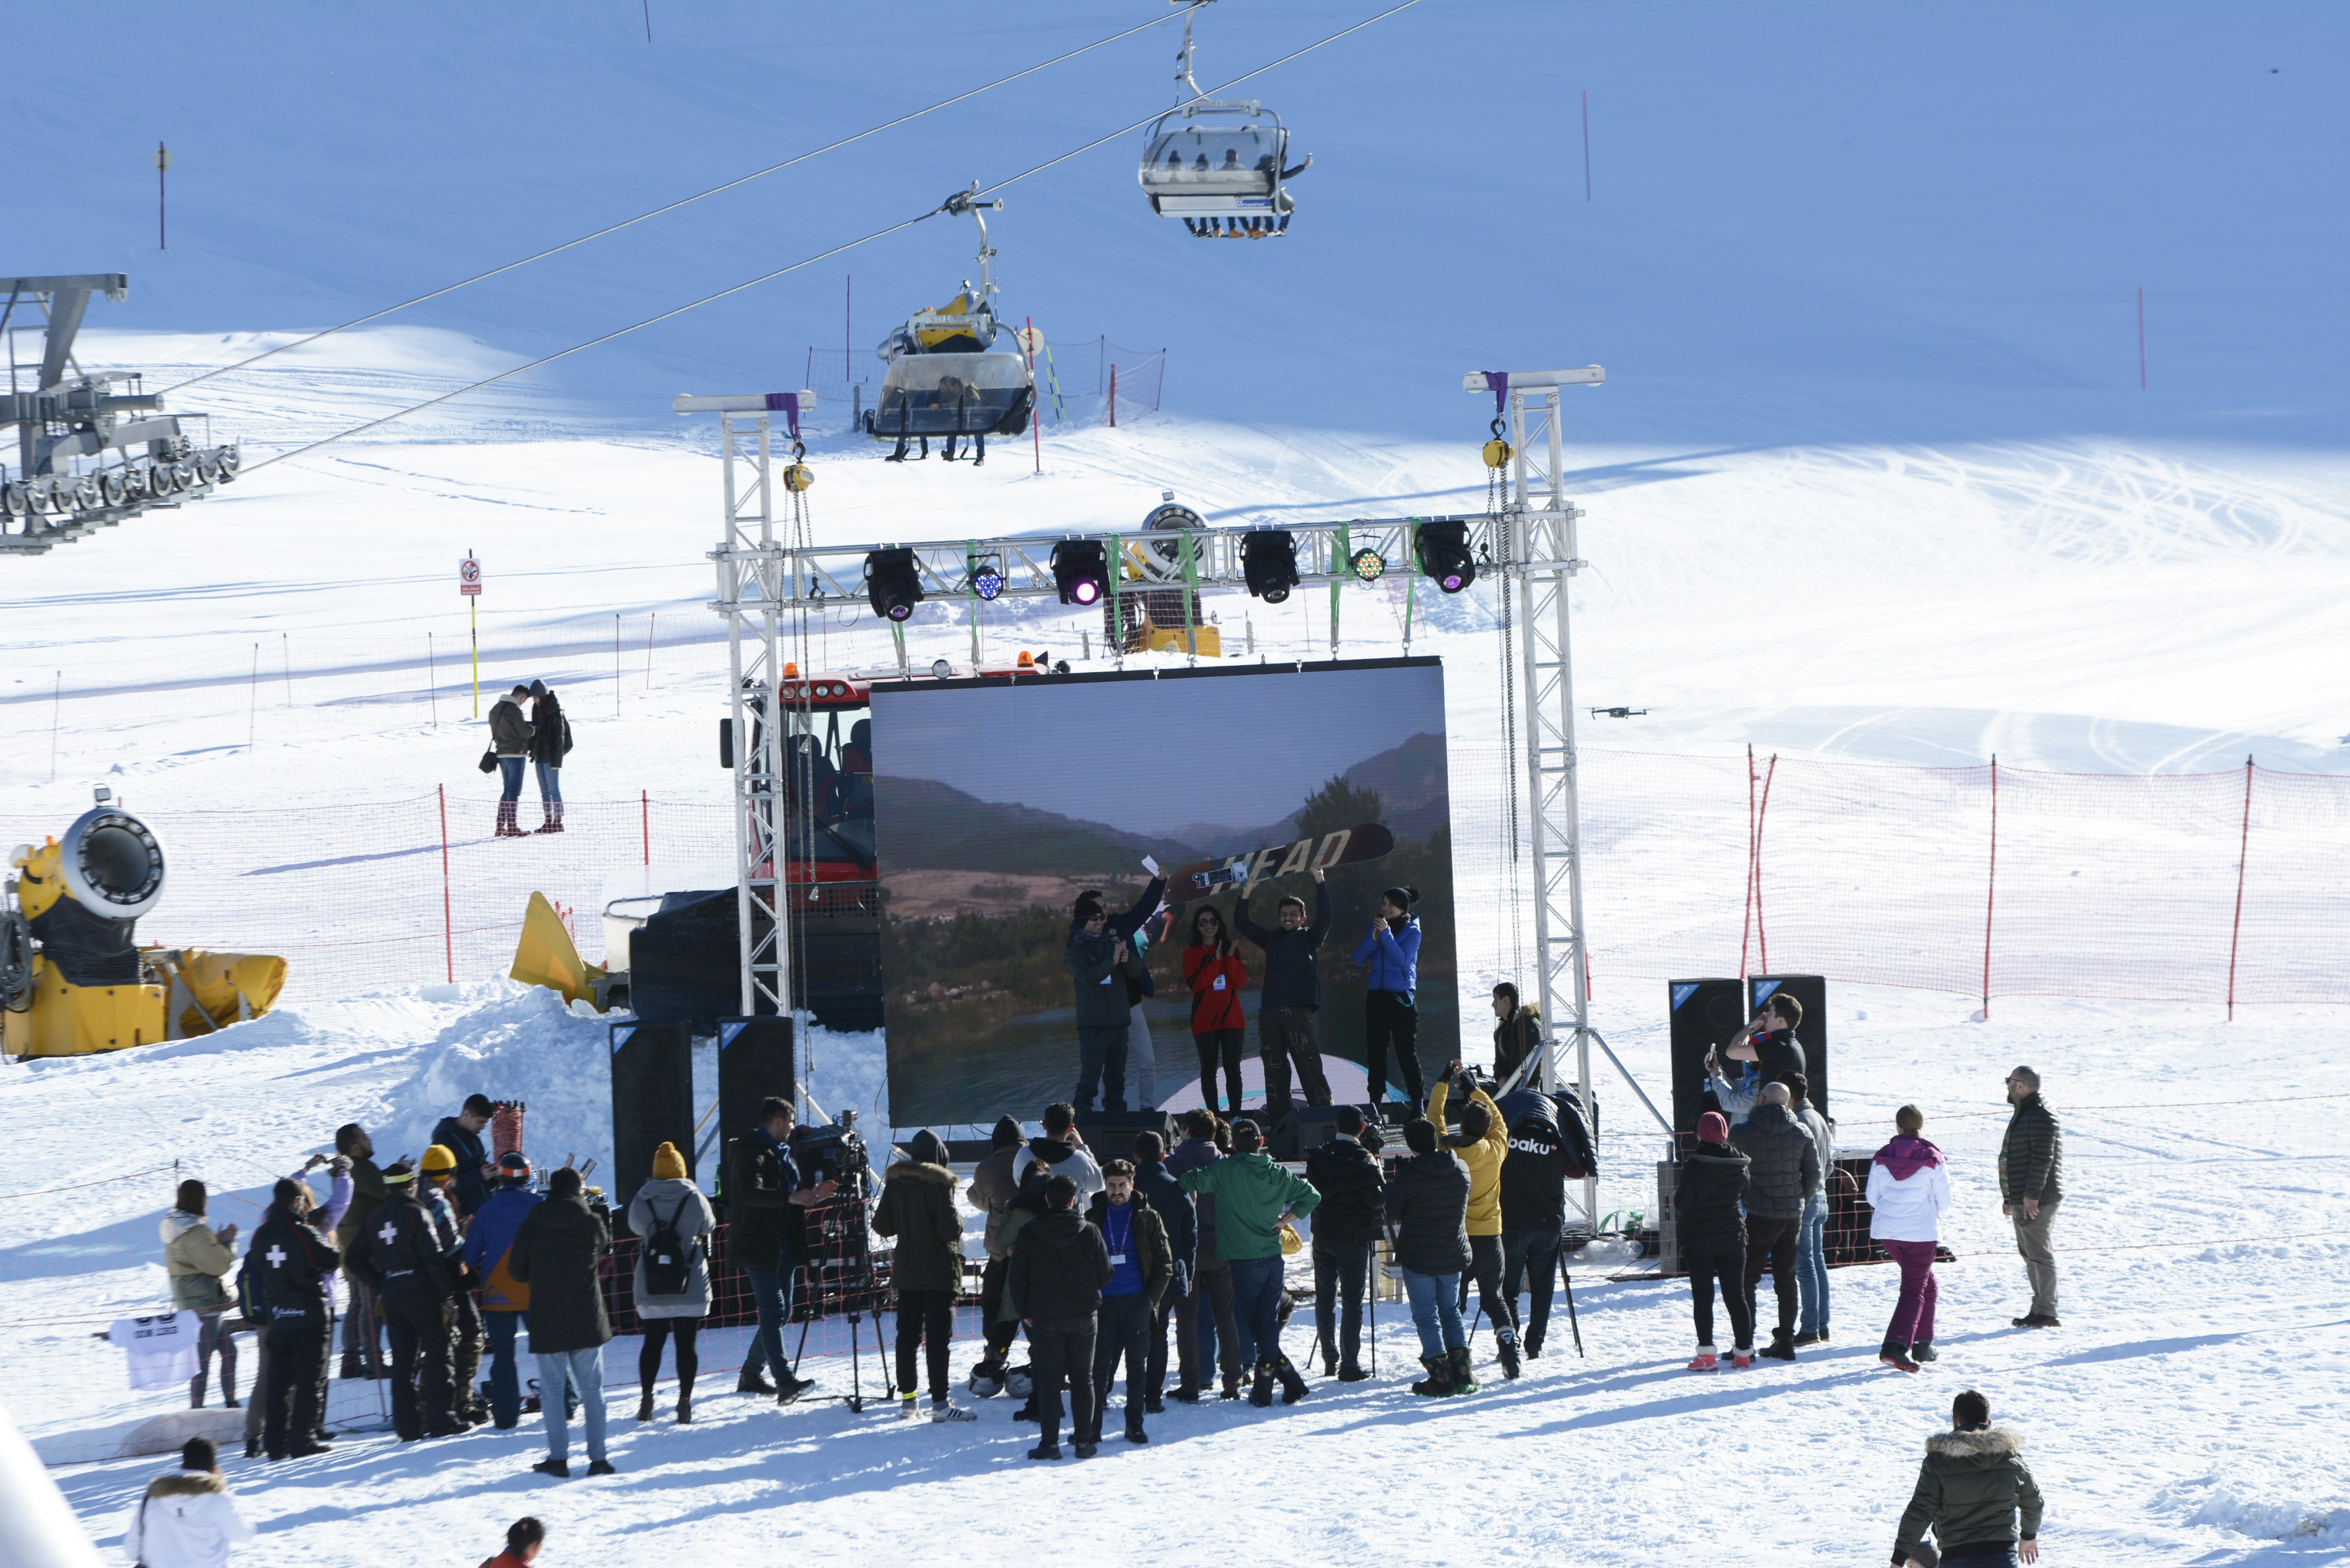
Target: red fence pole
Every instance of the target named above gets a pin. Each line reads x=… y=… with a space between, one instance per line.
x=448 y=925
x=1990 y=884
x=645 y=800
x=1746 y=915
x=1762 y=933
x=2236 y=929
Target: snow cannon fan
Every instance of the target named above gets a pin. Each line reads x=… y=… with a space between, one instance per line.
x=72 y=977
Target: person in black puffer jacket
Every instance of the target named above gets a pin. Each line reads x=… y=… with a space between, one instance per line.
x=1535 y=1175
x=1059 y=1265
x=550 y=743
x=1786 y=1167
x=1165 y=1194
x=1428 y=1205
x=1711 y=1232
x=1353 y=1209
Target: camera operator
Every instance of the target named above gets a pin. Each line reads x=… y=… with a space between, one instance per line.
x=764 y=1193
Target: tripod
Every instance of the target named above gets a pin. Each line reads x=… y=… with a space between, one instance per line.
x=859 y=1293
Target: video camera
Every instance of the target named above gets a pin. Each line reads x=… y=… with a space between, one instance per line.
x=834 y=1153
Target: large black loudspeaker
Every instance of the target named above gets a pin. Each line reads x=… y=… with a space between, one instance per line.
x=754 y=1060
x=652 y=1102
x=1705 y=1013
x=1109 y=1135
x=1812 y=1034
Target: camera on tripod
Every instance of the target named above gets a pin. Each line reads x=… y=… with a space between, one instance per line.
x=832 y=1153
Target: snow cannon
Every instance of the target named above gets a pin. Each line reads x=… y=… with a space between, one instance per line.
x=73 y=980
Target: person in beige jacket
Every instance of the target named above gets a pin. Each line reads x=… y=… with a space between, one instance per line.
x=198 y=1257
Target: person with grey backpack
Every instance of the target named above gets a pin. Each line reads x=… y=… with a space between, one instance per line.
x=675 y=1222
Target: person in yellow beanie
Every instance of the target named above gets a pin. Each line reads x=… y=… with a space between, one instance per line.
x=466 y=1332
x=1483 y=1142
x=675 y=1222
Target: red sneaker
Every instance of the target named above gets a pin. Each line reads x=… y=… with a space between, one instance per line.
x=1706 y=1361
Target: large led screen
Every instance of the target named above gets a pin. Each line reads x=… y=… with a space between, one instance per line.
x=997 y=805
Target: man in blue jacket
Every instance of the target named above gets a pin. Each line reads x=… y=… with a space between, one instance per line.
x=1389 y=954
x=504 y=1298
x=1290 y=997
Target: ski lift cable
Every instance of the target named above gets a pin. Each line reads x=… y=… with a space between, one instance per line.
x=669 y=207
x=956 y=203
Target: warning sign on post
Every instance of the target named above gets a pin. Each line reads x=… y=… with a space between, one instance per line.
x=469 y=577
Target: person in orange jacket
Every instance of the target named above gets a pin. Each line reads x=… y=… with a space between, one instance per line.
x=525 y=1536
x=1482 y=1144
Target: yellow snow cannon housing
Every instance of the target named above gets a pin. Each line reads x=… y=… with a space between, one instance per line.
x=73 y=981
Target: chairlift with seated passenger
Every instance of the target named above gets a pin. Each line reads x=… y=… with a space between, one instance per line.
x=946 y=376
x=1222 y=166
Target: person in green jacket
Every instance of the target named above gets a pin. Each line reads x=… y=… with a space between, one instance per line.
x=1254 y=1194
x=1974 y=1492
x=918 y=1208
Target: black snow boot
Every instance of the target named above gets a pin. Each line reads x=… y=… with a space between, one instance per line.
x=1781 y=1348
x=1506 y=1343
x=1923 y=1350
x=1261 y=1395
x=1464 y=1381
x=755 y=1383
x=1438 y=1381
x=1293 y=1386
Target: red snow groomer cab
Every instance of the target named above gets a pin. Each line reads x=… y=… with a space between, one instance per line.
x=831 y=861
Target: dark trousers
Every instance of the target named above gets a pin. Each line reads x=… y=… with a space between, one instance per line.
x=924 y=1315
x=1727 y=1264
x=1485 y=1269
x=658 y=1330
x=1285 y=1035
x=1062 y=1350
x=1341 y=1269
x=1000 y=1334
x=1220 y=1046
x=1101 y=1064
x=362 y=1330
x=1217 y=1335
x=1391 y=1022
x=298 y=1346
x=1185 y=1312
x=418 y=1323
x=466 y=1351
x=771 y=1294
x=1124 y=1334
x=1771 y=1244
x=1256 y=1308
x=1530 y=1262
x=505 y=1383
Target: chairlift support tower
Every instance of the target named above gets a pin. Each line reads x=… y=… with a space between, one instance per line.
x=1539 y=543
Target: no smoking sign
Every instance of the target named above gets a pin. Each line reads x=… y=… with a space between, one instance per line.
x=469 y=577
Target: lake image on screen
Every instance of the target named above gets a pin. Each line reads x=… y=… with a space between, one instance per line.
x=995 y=807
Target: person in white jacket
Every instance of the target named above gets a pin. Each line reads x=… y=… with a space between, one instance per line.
x=1908 y=1191
x=187 y=1519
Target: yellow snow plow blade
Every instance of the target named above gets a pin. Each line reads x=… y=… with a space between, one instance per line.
x=226 y=988
x=548 y=956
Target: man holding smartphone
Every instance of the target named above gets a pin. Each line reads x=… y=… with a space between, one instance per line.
x=1101 y=962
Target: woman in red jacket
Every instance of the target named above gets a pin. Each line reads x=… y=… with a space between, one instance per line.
x=1215 y=973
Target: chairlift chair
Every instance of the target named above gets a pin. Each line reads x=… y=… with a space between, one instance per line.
x=1218 y=165
x=946 y=376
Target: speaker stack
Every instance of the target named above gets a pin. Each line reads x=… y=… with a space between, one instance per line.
x=1704 y=1014
x=1110 y=1135
x=755 y=1062
x=652 y=1102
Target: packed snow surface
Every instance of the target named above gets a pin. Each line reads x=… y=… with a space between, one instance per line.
x=1874 y=475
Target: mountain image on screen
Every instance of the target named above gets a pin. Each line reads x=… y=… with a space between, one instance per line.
x=982 y=866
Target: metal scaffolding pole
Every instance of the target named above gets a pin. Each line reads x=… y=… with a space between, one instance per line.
x=1540 y=549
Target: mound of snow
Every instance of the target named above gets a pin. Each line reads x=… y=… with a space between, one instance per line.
x=2259 y=1498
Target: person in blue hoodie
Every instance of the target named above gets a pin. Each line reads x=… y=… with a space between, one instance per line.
x=504 y=1298
x=1389 y=954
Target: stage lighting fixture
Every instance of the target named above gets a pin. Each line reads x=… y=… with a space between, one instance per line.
x=987 y=578
x=1368 y=564
x=1269 y=562
x=892 y=585
x=1081 y=571
x=1443 y=549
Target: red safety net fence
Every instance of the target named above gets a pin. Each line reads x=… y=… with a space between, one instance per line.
x=2227 y=887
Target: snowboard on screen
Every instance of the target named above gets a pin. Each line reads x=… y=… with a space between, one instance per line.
x=1340 y=847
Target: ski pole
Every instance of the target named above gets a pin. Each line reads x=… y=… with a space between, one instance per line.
x=1569 y=1279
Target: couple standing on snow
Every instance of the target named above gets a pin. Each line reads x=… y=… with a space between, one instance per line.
x=543 y=738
